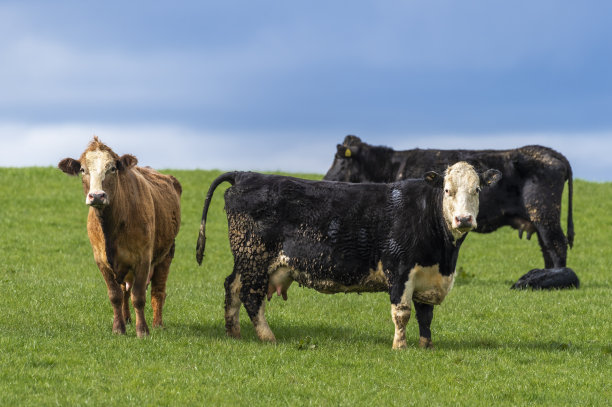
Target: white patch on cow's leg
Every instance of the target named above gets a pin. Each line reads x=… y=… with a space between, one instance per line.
x=264 y=333
x=232 y=307
x=401 y=315
x=126 y=303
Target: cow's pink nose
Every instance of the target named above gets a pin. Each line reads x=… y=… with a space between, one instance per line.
x=97 y=198
x=464 y=221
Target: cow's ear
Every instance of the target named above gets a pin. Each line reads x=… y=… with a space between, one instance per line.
x=346 y=152
x=70 y=166
x=126 y=161
x=490 y=177
x=434 y=179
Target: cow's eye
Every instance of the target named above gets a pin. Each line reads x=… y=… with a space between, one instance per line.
x=82 y=170
x=113 y=169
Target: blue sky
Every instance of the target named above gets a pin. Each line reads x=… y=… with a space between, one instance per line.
x=270 y=85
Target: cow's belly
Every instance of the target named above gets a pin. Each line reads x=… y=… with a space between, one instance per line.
x=428 y=285
x=282 y=275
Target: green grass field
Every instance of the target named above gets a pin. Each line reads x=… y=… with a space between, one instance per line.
x=494 y=346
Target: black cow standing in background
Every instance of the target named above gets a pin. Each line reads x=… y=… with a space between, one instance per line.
x=402 y=238
x=527 y=198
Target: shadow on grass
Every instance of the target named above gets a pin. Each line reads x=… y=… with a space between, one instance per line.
x=286 y=333
x=320 y=333
x=545 y=346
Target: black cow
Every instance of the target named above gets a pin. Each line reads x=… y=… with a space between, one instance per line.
x=528 y=197
x=402 y=238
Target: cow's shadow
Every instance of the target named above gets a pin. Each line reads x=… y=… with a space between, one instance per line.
x=289 y=332
x=319 y=333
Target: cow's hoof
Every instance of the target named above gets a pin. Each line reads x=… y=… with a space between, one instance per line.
x=400 y=344
x=233 y=331
x=425 y=343
x=232 y=334
x=118 y=328
x=267 y=337
x=548 y=279
x=142 y=332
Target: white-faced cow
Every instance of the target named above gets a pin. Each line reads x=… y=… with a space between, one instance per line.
x=134 y=217
x=528 y=198
x=402 y=238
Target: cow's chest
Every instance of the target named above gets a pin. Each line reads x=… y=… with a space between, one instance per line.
x=427 y=285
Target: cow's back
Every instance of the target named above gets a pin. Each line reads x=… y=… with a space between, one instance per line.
x=327 y=223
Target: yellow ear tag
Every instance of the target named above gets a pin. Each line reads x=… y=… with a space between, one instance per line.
x=347 y=153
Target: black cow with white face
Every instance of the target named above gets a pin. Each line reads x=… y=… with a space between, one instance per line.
x=527 y=198
x=402 y=238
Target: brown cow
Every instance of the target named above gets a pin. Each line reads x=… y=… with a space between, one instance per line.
x=134 y=217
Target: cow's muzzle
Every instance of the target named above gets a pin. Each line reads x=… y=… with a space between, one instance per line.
x=97 y=199
x=464 y=223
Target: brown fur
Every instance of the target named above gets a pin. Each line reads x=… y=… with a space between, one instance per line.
x=133 y=236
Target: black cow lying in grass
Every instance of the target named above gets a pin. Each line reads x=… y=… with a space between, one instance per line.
x=402 y=238
x=528 y=197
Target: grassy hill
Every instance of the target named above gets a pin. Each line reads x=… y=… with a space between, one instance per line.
x=494 y=346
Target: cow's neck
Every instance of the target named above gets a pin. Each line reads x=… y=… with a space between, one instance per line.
x=105 y=218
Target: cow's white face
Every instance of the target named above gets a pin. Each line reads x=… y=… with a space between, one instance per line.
x=460 y=202
x=99 y=166
x=462 y=185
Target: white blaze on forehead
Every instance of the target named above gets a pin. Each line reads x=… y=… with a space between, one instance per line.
x=461 y=186
x=97 y=163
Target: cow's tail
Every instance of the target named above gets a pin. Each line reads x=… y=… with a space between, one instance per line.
x=570 y=220
x=229 y=177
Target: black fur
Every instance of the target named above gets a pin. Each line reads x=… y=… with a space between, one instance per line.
x=528 y=197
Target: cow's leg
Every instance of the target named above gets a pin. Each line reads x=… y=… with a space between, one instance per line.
x=424 y=315
x=400 y=293
x=401 y=315
x=115 y=295
x=543 y=204
x=158 y=288
x=253 y=290
x=232 y=304
x=553 y=244
x=139 y=298
x=255 y=305
x=126 y=303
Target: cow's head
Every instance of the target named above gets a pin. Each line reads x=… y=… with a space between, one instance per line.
x=100 y=168
x=461 y=185
x=347 y=165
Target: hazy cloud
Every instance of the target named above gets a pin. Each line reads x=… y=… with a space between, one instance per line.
x=178 y=147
